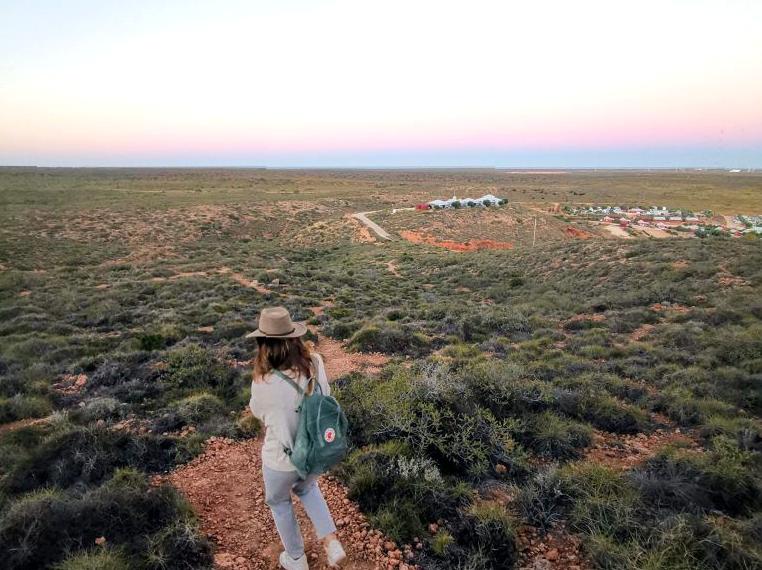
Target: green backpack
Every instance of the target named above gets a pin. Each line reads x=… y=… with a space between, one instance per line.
x=321 y=438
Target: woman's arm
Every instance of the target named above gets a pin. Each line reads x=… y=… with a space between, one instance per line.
x=322 y=377
x=253 y=401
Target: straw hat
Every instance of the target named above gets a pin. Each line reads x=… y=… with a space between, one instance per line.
x=275 y=322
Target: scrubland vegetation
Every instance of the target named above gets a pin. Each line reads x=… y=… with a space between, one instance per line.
x=124 y=298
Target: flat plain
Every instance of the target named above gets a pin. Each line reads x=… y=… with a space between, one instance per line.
x=551 y=396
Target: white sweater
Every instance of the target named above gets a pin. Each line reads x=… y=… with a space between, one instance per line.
x=274 y=402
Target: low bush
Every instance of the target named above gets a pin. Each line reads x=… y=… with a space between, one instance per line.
x=483 y=538
x=20 y=407
x=101 y=559
x=682 y=406
x=192 y=410
x=725 y=478
x=552 y=436
x=42 y=528
x=99 y=408
x=601 y=500
x=429 y=408
x=86 y=456
x=541 y=500
x=389 y=338
x=193 y=367
x=403 y=492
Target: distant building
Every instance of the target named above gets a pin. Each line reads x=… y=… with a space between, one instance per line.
x=455 y=202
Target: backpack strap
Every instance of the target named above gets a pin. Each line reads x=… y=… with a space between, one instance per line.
x=317 y=363
x=291 y=382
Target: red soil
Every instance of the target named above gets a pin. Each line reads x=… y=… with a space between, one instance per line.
x=471 y=245
x=674 y=307
x=626 y=451
x=556 y=550
x=18 y=424
x=578 y=233
x=70 y=384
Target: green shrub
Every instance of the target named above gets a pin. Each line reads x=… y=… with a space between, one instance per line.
x=681 y=405
x=441 y=542
x=20 y=407
x=193 y=367
x=198 y=407
x=430 y=410
x=602 y=501
x=389 y=338
x=541 y=500
x=248 y=426
x=724 y=478
x=402 y=491
x=552 y=436
x=42 y=528
x=101 y=559
x=488 y=529
x=99 y=408
x=86 y=455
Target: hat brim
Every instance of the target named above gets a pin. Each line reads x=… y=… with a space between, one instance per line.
x=300 y=329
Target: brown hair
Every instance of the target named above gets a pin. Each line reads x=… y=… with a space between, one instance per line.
x=282 y=354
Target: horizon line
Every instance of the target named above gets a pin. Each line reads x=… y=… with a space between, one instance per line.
x=742 y=169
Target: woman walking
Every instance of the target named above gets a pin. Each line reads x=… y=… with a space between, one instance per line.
x=275 y=402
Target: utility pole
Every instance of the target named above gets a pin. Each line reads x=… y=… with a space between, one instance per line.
x=534 y=232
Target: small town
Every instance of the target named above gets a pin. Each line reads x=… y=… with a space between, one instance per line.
x=670 y=220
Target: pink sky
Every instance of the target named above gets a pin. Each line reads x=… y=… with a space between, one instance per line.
x=251 y=82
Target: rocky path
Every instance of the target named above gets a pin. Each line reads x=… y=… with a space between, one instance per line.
x=224 y=485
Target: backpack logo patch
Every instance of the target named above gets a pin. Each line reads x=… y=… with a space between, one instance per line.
x=329 y=435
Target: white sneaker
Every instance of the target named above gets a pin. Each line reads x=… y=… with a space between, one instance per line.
x=335 y=553
x=290 y=564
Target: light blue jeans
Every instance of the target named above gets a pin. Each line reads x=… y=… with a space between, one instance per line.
x=278 y=487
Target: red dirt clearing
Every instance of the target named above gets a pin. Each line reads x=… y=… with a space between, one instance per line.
x=625 y=451
x=224 y=485
x=471 y=245
x=578 y=233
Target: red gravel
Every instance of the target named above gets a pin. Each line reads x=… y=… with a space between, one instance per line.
x=556 y=550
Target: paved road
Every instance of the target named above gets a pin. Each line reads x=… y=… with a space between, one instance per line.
x=378 y=230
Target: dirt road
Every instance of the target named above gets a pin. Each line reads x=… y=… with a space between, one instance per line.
x=378 y=230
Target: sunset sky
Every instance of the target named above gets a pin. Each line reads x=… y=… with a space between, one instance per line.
x=391 y=83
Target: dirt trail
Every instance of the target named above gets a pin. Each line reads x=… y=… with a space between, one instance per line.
x=241 y=280
x=18 y=424
x=224 y=485
x=338 y=360
x=378 y=230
